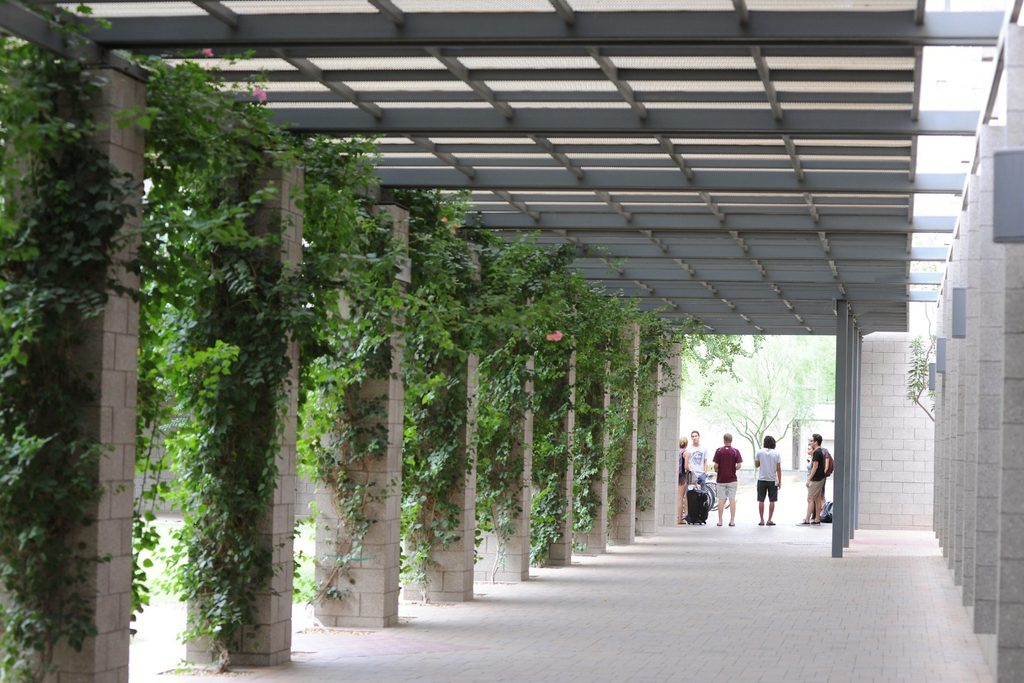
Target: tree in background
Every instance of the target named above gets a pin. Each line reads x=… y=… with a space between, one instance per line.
x=771 y=388
x=917 y=375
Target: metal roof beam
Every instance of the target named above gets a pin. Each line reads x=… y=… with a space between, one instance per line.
x=682 y=223
x=794 y=156
x=639 y=147
x=218 y=10
x=313 y=72
x=819 y=79
x=285 y=93
x=666 y=144
x=742 y=13
x=838 y=182
x=609 y=122
x=561 y=158
x=612 y=72
x=592 y=29
x=811 y=208
x=517 y=204
x=766 y=80
x=457 y=69
x=39 y=30
x=713 y=206
x=565 y=11
x=388 y=9
x=450 y=159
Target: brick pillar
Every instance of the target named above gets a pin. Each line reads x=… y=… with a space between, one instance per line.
x=451 y=579
x=560 y=553
x=268 y=641
x=990 y=390
x=666 y=485
x=596 y=542
x=1010 y=610
x=623 y=523
x=370 y=589
x=511 y=563
x=109 y=356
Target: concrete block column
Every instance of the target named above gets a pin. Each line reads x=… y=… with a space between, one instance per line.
x=992 y=283
x=666 y=477
x=451 y=578
x=510 y=562
x=955 y=409
x=267 y=641
x=109 y=356
x=560 y=553
x=969 y=485
x=1010 y=610
x=622 y=528
x=370 y=586
x=647 y=451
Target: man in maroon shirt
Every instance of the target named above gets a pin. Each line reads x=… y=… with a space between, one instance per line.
x=727 y=462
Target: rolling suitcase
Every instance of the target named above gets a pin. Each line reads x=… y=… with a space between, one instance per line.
x=698 y=504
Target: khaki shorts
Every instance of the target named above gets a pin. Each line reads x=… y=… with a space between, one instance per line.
x=727 y=491
x=815 y=490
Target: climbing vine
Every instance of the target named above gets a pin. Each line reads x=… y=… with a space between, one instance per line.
x=217 y=308
x=515 y=316
x=351 y=261
x=438 y=339
x=64 y=206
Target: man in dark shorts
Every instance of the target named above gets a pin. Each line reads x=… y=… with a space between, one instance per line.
x=769 y=478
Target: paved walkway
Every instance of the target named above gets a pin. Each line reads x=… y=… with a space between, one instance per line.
x=694 y=603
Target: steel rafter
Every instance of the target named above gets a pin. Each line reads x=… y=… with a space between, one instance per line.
x=590 y=29
x=612 y=122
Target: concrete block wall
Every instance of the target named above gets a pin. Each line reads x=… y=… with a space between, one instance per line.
x=896 y=454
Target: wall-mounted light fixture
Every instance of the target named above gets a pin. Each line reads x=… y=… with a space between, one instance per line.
x=1008 y=198
x=940 y=355
x=959 y=313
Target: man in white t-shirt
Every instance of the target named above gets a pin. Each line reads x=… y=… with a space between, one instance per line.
x=698 y=459
x=769 y=478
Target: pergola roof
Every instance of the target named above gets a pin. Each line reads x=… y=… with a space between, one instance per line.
x=744 y=162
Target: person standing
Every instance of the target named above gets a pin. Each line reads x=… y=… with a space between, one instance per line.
x=684 y=478
x=727 y=462
x=815 y=482
x=769 y=478
x=698 y=460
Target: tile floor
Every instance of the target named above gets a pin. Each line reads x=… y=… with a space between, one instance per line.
x=706 y=603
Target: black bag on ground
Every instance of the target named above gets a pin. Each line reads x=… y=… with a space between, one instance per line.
x=826 y=513
x=698 y=504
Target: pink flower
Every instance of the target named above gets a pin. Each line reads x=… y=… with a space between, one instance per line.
x=207 y=51
x=260 y=94
x=555 y=336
